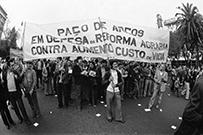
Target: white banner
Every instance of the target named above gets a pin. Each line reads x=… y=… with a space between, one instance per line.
x=96 y=38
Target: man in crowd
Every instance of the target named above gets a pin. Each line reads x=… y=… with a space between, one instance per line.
x=101 y=71
x=39 y=66
x=160 y=79
x=29 y=84
x=5 y=114
x=192 y=123
x=114 y=80
x=148 y=80
x=59 y=76
x=77 y=83
x=67 y=80
x=12 y=84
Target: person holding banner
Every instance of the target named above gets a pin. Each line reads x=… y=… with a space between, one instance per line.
x=160 y=80
x=114 y=81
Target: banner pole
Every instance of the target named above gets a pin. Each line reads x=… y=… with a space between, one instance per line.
x=23 y=40
x=102 y=33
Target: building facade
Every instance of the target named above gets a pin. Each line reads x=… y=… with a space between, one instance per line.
x=3 y=17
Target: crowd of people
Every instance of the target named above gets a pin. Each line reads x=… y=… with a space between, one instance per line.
x=81 y=82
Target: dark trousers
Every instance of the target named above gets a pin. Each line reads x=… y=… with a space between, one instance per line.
x=148 y=87
x=33 y=101
x=63 y=92
x=55 y=84
x=77 y=96
x=102 y=92
x=19 y=107
x=60 y=94
x=67 y=93
x=93 y=94
x=39 y=77
x=187 y=128
x=6 y=116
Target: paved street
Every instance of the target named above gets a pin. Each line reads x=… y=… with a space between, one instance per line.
x=71 y=121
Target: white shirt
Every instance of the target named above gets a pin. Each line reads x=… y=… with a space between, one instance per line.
x=1 y=77
x=39 y=65
x=114 y=75
x=103 y=71
x=11 y=82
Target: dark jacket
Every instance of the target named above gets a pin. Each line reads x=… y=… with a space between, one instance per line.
x=77 y=75
x=18 y=93
x=3 y=96
x=99 y=75
x=193 y=112
x=67 y=78
x=107 y=82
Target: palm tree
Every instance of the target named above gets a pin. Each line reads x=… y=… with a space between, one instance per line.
x=190 y=27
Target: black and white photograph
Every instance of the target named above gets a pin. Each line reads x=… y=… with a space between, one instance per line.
x=101 y=67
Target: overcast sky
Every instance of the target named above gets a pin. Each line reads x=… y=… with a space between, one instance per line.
x=140 y=12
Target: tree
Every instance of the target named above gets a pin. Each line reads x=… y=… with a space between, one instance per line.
x=9 y=42
x=190 y=27
x=4 y=48
x=12 y=36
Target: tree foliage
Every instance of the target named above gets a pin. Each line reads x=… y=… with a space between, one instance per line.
x=175 y=44
x=4 y=48
x=190 y=28
x=12 y=36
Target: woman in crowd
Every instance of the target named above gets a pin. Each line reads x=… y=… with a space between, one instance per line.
x=67 y=80
x=93 y=84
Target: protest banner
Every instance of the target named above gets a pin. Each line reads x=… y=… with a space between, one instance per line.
x=95 y=38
